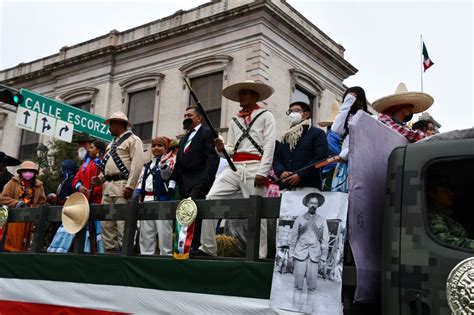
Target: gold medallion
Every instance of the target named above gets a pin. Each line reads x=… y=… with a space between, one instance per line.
x=186 y=211
x=3 y=215
x=460 y=287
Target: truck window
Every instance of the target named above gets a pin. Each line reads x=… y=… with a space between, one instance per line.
x=449 y=211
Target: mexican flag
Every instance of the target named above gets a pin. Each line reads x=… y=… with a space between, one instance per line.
x=112 y=284
x=426 y=59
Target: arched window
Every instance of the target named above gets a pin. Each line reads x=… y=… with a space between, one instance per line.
x=306 y=88
x=206 y=76
x=141 y=104
x=82 y=98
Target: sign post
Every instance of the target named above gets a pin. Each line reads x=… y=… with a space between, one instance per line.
x=56 y=119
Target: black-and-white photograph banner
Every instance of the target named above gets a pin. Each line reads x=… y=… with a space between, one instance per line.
x=307 y=276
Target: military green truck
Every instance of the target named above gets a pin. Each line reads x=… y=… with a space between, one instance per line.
x=416 y=263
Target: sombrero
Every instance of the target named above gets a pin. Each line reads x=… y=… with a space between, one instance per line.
x=27 y=165
x=420 y=101
x=329 y=119
x=314 y=195
x=118 y=116
x=75 y=213
x=232 y=92
x=8 y=160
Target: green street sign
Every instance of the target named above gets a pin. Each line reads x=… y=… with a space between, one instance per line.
x=82 y=121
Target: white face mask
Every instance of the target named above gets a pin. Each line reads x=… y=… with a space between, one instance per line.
x=82 y=153
x=295 y=118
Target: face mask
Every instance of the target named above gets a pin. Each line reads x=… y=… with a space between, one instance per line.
x=295 y=118
x=82 y=153
x=187 y=123
x=28 y=175
x=408 y=118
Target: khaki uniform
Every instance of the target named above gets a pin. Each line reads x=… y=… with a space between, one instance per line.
x=131 y=154
x=309 y=246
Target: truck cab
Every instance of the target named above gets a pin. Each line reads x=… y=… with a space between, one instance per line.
x=416 y=262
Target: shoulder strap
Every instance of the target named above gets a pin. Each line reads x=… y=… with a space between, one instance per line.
x=113 y=153
x=246 y=134
x=146 y=173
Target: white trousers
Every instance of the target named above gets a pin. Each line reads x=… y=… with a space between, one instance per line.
x=228 y=185
x=148 y=231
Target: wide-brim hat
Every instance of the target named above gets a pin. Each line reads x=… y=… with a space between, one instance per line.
x=118 y=116
x=264 y=91
x=75 y=213
x=329 y=119
x=421 y=101
x=314 y=195
x=27 y=165
x=82 y=137
x=8 y=160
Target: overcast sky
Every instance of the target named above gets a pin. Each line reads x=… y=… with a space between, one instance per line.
x=381 y=38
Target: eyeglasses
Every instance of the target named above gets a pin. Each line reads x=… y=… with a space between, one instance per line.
x=288 y=112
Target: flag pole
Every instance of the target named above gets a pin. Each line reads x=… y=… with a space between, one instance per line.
x=421 y=68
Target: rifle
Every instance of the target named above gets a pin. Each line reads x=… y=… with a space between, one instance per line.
x=319 y=164
x=208 y=121
x=91 y=224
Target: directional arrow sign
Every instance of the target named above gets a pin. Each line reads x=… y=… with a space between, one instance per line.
x=82 y=121
x=45 y=125
x=63 y=131
x=26 y=119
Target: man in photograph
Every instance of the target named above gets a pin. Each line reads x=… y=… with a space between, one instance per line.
x=309 y=243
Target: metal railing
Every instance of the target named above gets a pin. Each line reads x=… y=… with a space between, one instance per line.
x=253 y=209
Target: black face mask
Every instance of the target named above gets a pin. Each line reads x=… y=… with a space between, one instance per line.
x=187 y=123
x=408 y=118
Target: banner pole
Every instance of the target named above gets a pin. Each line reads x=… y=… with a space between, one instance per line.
x=421 y=69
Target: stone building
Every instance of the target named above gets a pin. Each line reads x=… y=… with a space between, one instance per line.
x=140 y=71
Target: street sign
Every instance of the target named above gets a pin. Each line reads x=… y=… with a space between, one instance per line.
x=81 y=120
x=26 y=119
x=63 y=131
x=45 y=125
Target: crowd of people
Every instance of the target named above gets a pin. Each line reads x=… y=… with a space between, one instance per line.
x=194 y=166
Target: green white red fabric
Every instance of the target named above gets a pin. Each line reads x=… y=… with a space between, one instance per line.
x=109 y=284
x=183 y=240
x=426 y=58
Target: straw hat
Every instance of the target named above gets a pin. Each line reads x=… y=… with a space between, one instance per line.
x=118 y=116
x=420 y=101
x=329 y=119
x=8 y=160
x=313 y=195
x=232 y=92
x=75 y=213
x=27 y=165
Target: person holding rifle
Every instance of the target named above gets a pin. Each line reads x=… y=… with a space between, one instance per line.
x=121 y=166
x=83 y=183
x=301 y=145
x=251 y=143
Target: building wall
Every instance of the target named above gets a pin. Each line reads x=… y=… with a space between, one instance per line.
x=262 y=40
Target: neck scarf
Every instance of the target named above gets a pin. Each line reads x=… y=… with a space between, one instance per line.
x=295 y=132
x=247 y=115
x=26 y=192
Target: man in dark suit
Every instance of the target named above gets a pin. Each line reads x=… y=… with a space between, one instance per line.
x=301 y=146
x=196 y=164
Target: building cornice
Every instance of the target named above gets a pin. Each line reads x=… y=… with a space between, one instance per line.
x=169 y=27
